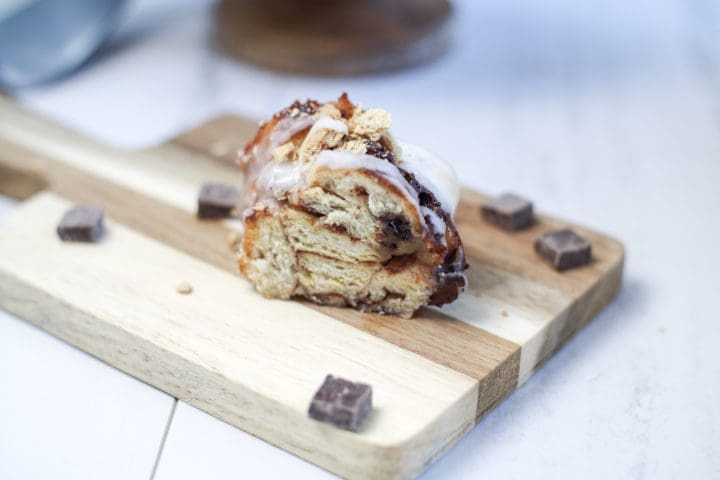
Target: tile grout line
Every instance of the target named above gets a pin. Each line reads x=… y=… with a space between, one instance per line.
x=164 y=438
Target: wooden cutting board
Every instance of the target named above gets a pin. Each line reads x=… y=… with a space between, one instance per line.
x=253 y=362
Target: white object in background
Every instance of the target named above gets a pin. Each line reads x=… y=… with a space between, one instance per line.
x=45 y=39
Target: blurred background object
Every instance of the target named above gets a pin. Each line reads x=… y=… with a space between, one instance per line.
x=335 y=37
x=45 y=39
x=42 y=40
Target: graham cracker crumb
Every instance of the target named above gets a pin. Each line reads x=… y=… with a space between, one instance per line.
x=329 y=110
x=313 y=143
x=354 y=145
x=284 y=152
x=372 y=123
x=504 y=313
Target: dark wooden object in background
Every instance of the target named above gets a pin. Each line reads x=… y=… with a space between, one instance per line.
x=334 y=37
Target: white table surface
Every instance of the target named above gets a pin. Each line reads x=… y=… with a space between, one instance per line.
x=604 y=112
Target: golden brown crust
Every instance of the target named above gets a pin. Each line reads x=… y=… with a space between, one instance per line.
x=345 y=105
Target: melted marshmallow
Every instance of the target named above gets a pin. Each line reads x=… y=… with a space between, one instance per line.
x=343 y=159
x=433 y=172
x=281 y=133
x=273 y=178
x=278 y=179
x=346 y=159
x=261 y=171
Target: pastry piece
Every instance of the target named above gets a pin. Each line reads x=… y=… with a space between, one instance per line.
x=563 y=249
x=338 y=212
x=508 y=211
x=81 y=224
x=341 y=403
x=217 y=200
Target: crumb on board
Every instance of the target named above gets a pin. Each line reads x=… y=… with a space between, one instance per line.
x=504 y=313
x=184 y=288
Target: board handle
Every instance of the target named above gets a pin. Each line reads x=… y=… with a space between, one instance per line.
x=37 y=153
x=224 y=137
x=24 y=167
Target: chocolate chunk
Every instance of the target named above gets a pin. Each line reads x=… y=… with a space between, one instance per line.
x=379 y=150
x=309 y=107
x=341 y=403
x=398 y=227
x=83 y=223
x=563 y=249
x=508 y=211
x=217 y=200
x=451 y=279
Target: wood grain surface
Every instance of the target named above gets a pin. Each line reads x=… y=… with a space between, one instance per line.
x=515 y=314
x=225 y=349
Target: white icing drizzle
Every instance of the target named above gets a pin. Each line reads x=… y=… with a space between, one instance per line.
x=345 y=159
x=329 y=123
x=259 y=164
x=278 y=179
x=432 y=172
x=281 y=133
